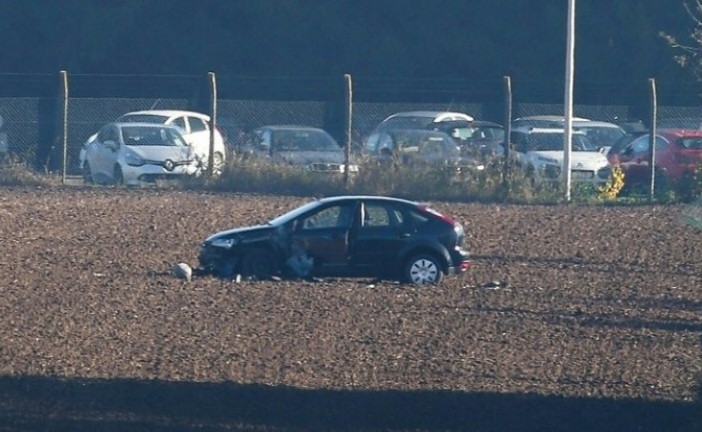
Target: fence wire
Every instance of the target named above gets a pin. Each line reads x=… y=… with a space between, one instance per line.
x=31 y=129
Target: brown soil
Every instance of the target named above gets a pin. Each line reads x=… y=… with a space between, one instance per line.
x=597 y=328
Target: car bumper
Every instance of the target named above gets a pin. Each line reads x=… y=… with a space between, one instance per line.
x=460 y=262
x=151 y=173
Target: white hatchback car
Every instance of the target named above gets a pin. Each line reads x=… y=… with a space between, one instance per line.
x=136 y=153
x=194 y=126
x=541 y=152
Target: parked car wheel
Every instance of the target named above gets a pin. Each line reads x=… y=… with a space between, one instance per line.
x=87 y=174
x=423 y=269
x=259 y=264
x=117 y=176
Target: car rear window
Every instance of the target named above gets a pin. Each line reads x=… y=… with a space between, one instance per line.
x=143 y=118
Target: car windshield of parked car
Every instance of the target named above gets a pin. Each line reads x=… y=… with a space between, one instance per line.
x=407 y=122
x=303 y=140
x=555 y=142
x=602 y=136
x=151 y=136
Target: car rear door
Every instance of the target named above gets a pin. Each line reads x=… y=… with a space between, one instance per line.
x=382 y=232
x=199 y=134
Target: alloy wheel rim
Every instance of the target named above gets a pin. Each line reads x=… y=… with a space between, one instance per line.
x=423 y=271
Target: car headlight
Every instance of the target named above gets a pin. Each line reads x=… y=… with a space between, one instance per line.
x=133 y=159
x=225 y=243
x=542 y=159
x=604 y=172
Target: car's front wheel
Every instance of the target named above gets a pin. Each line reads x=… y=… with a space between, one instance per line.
x=259 y=264
x=423 y=269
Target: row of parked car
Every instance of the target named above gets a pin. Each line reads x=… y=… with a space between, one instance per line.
x=144 y=146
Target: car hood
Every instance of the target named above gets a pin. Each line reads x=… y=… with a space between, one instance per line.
x=309 y=157
x=244 y=233
x=161 y=153
x=580 y=159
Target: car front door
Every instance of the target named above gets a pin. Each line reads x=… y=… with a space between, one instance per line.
x=378 y=237
x=323 y=235
x=633 y=160
x=104 y=153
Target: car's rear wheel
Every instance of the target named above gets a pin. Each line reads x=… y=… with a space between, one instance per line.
x=87 y=174
x=117 y=176
x=422 y=269
x=259 y=264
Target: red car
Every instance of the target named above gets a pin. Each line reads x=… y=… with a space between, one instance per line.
x=678 y=154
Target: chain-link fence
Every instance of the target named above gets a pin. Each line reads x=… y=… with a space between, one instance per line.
x=31 y=129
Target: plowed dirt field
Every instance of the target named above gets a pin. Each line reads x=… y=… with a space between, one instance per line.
x=597 y=327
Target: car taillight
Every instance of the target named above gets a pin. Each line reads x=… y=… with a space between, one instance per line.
x=448 y=219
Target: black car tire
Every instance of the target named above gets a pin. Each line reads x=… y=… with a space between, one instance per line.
x=87 y=174
x=423 y=269
x=118 y=177
x=259 y=264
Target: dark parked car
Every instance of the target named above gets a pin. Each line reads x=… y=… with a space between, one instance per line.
x=480 y=138
x=304 y=146
x=343 y=236
x=418 y=147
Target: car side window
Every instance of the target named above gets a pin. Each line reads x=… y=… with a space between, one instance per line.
x=639 y=145
x=180 y=122
x=108 y=134
x=197 y=124
x=381 y=215
x=338 y=216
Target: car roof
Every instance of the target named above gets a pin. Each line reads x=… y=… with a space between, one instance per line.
x=437 y=115
x=596 y=123
x=550 y=117
x=366 y=197
x=680 y=132
x=169 y=113
x=145 y=125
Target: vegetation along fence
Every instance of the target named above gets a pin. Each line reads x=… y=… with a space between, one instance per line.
x=45 y=120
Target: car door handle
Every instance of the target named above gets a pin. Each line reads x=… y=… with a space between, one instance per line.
x=404 y=235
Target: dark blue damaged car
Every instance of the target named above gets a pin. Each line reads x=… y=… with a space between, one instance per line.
x=343 y=236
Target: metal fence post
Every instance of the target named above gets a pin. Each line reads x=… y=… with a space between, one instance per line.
x=64 y=123
x=347 y=126
x=508 y=131
x=213 y=122
x=652 y=138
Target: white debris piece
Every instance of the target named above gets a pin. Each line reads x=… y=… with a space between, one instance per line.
x=183 y=271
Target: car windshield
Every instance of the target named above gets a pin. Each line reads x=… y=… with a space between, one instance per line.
x=424 y=142
x=151 y=136
x=407 y=122
x=292 y=214
x=304 y=140
x=142 y=118
x=555 y=141
x=601 y=136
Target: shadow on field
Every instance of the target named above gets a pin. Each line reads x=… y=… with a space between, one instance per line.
x=50 y=404
x=580 y=263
